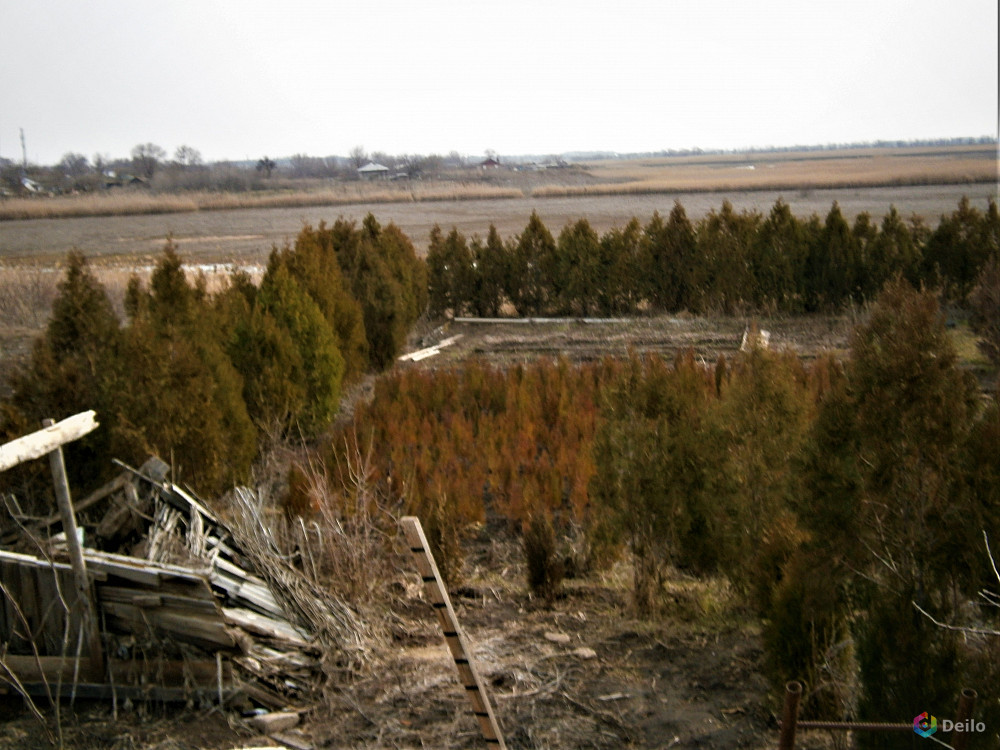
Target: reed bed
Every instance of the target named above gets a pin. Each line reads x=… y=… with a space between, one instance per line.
x=134 y=203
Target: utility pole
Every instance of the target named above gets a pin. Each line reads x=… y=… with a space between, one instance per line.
x=24 y=152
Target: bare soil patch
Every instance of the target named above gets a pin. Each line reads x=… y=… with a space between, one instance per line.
x=508 y=343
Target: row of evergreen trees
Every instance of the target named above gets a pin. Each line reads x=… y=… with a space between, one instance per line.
x=834 y=495
x=727 y=262
x=200 y=378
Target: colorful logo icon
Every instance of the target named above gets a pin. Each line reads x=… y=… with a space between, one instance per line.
x=924 y=725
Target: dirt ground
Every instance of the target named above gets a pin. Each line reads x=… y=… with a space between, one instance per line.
x=507 y=343
x=690 y=678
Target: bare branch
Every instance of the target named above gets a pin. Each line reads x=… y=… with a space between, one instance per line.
x=958 y=628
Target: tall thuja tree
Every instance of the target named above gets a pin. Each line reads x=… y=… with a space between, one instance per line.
x=289 y=326
x=490 y=262
x=762 y=419
x=864 y=233
x=578 y=268
x=777 y=257
x=651 y=462
x=806 y=631
x=891 y=252
x=312 y=262
x=724 y=242
x=451 y=273
x=387 y=278
x=263 y=352
x=673 y=277
x=832 y=264
x=958 y=247
x=622 y=257
x=532 y=268
x=180 y=395
x=408 y=270
x=71 y=370
x=901 y=512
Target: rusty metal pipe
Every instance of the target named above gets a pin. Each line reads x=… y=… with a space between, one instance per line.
x=966 y=704
x=790 y=715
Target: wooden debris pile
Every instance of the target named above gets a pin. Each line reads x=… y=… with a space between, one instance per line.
x=177 y=590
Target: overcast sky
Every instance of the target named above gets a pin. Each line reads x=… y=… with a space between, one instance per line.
x=240 y=79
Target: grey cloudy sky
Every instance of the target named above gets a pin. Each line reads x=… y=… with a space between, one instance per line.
x=239 y=79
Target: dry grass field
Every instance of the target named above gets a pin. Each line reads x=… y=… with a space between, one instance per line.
x=784 y=171
x=138 y=202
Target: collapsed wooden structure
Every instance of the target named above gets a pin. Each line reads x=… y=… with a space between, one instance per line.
x=175 y=603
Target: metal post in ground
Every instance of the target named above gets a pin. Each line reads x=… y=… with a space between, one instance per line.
x=966 y=704
x=790 y=716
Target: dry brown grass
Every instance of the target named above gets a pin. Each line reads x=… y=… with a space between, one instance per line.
x=134 y=203
x=27 y=292
x=784 y=171
x=26 y=296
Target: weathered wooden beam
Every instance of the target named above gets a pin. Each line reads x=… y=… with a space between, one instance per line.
x=46 y=440
x=84 y=586
x=94 y=497
x=437 y=594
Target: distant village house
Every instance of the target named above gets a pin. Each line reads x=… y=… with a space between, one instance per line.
x=373 y=171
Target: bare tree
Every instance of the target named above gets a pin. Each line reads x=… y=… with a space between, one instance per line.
x=146 y=157
x=74 y=165
x=266 y=165
x=188 y=156
x=358 y=156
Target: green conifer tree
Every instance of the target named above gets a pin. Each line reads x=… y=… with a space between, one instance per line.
x=673 y=273
x=72 y=368
x=180 y=395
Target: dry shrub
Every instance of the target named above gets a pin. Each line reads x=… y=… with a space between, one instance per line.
x=26 y=296
x=343 y=534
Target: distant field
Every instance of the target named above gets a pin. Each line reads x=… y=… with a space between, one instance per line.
x=789 y=170
x=246 y=236
x=243 y=227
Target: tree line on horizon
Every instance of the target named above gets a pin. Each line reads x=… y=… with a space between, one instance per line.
x=728 y=262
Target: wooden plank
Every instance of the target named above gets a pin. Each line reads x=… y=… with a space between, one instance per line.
x=18 y=558
x=252 y=622
x=141 y=571
x=54 y=615
x=462 y=655
x=277 y=721
x=194 y=603
x=106 y=692
x=94 y=497
x=16 y=634
x=203 y=630
x=46 y=440
x=29 y=602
